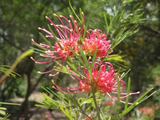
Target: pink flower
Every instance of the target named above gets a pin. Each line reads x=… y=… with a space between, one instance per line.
x=96 y=39
x=67 y=37
x=110 y=103
x=155 y=107
x=47 y=117
x=102 y=78
x=158 y=80
x=87 y=118
x=147 y=111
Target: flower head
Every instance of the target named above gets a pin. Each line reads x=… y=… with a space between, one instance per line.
x=147 y=111
x=102 y=78
x=96 y=39
x=67 y=38
x=110 y=103
x=155 y=107
x=158 y=80
x=87 y=118
x=47 y=117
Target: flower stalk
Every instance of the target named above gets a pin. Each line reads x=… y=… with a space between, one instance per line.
x=94 y=96
x=95 y=102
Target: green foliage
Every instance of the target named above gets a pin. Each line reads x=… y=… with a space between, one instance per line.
x=18 y=89
x=72 y=108
x=121 y=23
x=117 y=61
x=3 y=110
x=10 y=70
x=5 y=68
x=141 y=49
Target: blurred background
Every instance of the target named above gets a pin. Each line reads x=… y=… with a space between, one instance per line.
x=19 y=22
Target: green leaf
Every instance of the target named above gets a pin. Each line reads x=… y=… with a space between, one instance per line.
x=74 y=12
x=114 y=58
x=124 y=74
x=77 y=56
x=94 y=57
x=83 y=101
x=137 y=102
x=86 y=64
x=2 y=112
x=118 y=95
x=5 y=103
x=61 y=68
x=66 y=112
x=72 y=65
x=128 y=91
x=45 y=39
x=54 y=37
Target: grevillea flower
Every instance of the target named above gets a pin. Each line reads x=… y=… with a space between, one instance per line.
x=158 y=81
x=147 y=111
x=67 y=38
x=102 y=78
x=96 y=39
x=87 y=118
x=47 y=117
x=110 y=103
x=155 y=107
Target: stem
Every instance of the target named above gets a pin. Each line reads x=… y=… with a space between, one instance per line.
x=93 y=92
x=81 y=110
x=95 y=102
x=118 y=101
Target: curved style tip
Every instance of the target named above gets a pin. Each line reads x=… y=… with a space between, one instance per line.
x=46 y=17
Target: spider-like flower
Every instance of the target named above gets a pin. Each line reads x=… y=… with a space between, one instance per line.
x=101 y=78
x=97 y=39
x=67 y=38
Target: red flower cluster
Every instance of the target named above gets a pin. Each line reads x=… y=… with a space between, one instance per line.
x=68 y=38
x=96 y=39
x=147 y=111
x=155 y=107
x=87 y=118
x=158 y=81
x=110 y=103
x=102 y=77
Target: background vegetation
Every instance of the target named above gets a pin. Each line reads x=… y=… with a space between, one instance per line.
x=18 y=25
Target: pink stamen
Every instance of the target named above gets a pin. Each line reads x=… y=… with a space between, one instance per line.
x=44 y=62
x=66 y=90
